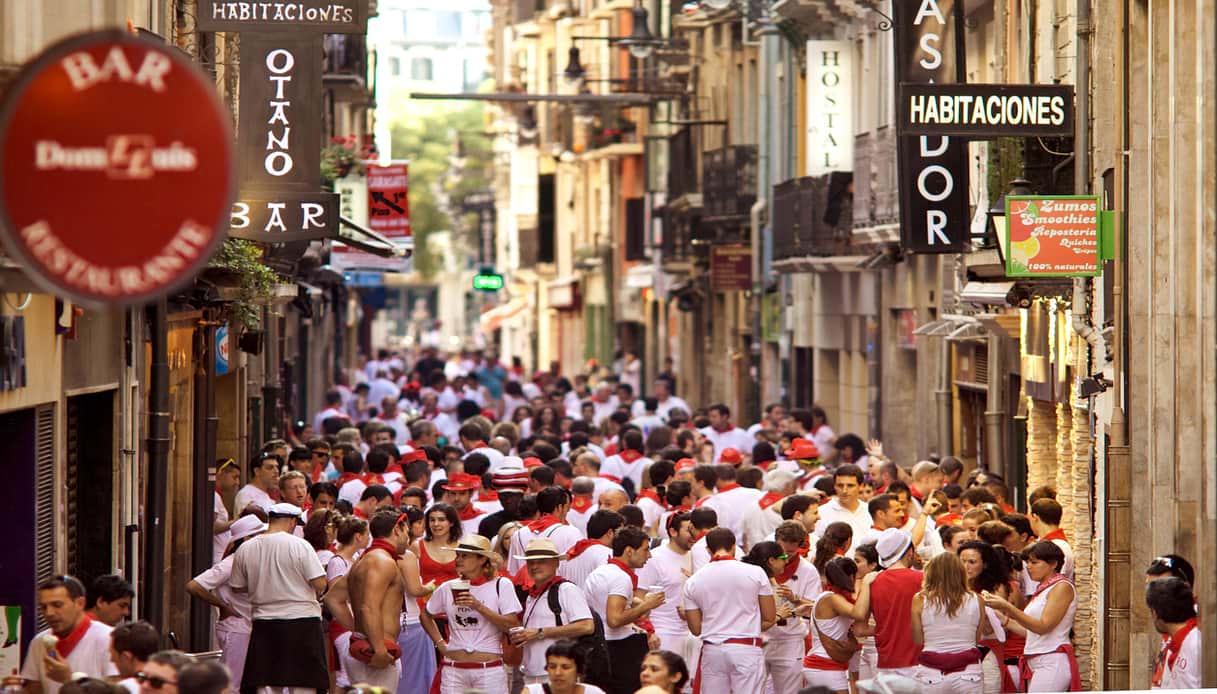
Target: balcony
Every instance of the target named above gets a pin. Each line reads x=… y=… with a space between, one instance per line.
x=346 y=58
x=730 y=186
x=811 y=217
x=682 y=166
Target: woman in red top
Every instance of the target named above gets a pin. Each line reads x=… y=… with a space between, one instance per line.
x=436 y=558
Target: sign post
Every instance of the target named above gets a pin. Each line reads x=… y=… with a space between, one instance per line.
x=116 y=169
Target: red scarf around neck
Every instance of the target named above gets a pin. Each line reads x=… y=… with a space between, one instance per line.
x=630 y=456
x=488 y=495
x=722 y=557
x=728 y=487
x=610 y=478
x=358 y=513
x=537 y=591
x=384 y=544
x=540 y=524
x=1048 y=583
x=792 y=567
x=700 y=502
x=650 y=494
x=480 y=580
x=1171 y=651
x=580 y=547
x=68 y=643
x=1057 y=534
x=581 y=503
x=626 y=568
x=347 y=477
x=769 y=499
x=469 y=512
x=847 y=594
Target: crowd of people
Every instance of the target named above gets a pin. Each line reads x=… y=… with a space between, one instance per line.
x=451 y=525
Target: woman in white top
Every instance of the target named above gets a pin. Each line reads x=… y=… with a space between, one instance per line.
x=563 y=665
x=320 y=531
x=948 y=621
x=417 y=651
x=353 y=538
x=866 y=664
x=1047 y=620
x=832 y=643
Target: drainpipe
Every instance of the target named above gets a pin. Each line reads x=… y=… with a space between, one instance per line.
x=764 y=138
x=944 y=401
x=153 y=532
x=995 y=408
x=203 y=482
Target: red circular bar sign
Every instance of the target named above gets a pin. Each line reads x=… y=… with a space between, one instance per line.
x=117 y=171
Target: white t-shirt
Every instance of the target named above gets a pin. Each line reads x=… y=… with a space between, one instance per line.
x=336 y=568
x=351 y=490
x=758 y=523
x=319 y=420
x=90 y=656
x=578 y=569
x=540 y=688
x=537 y=615
x=1185 y=674
x=605 y=581
x=250 y=494
x=603 y=485
x=665 y=406
x=806 y=585
x=726 y=592
x=578 y=519
x=699 y=555
x=651 y=511
x=833 y=512
x=400 y=426
x=496 y=459
x=219 y=541
x=646 y=422
x=822 y=438
x=667 y=569
x=616 y=466
x=735 y=438
x=275 y=570
x=602 y=410
x=564 y=537
x=468 y=630
x=731 y=505
x=215 y=580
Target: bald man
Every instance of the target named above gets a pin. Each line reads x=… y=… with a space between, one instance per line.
x=613 y=500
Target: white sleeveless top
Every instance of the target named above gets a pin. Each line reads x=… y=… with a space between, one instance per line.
x=1039 y=644
x=409 y=613
x=947 y=634
x=834 y=628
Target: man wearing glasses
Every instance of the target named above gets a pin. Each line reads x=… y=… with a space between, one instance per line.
x=263 y=477
x=159 y=675
x=75 y=645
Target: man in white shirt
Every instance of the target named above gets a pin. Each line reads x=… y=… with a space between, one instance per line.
x=723 y=434
x=588 y=555
x=728 y=604
x=263 y=477
x=774 y=416
x=73 y=642
x=797 y=585
x=704 y=520
x=613 y=592
x=381 y=387
x=846 y=507
x=542 y=627
x=629 y=463
x=472 y=441
x=668 y=568
x=552 y=505
x=759 y=519
x=645 y=416
x=1172 y=607
x=333 y=408
x=588 y=465
x=228 y=477
x=604 y=403
x=131 y=645
x=731 y=500
x=665 y=402
x=284 y=579
x=395 y=419
x=1045 y=517
x=885 y=512
x=582 y=503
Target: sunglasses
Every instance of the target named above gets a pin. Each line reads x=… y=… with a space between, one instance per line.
x=153 y=681
x=783 y=557
x=321 y=454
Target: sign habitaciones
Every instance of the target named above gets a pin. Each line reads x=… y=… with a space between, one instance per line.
x=330 y=17
x=986 y=110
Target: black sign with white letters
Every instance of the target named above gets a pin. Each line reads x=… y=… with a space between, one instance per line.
x=316 y=16
x=933 y=169
x=986 y=110
x=279 y=134
x=284 y=216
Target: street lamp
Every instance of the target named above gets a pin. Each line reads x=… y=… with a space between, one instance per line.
x=640 y=43
x=574 y=71
x=997 y=215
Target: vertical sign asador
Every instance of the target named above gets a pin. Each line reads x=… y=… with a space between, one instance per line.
x=933 y=170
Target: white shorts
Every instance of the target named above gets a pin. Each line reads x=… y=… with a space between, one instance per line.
x=1049 y=673
x=836 y=680
x=935 y=682
x=359 y=672
x=456 y=680
x=732 y=667
x=234 y=644
x=784 y=661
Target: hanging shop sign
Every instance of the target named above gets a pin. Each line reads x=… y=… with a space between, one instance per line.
x=379 y=200
x=117 y=169
x=1053 y=236
x=986 y=110
x=318 y=16
x=933 y=168
x=389 y=200
x=730 y=267
x=830 y=101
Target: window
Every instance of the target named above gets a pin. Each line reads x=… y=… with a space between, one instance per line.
x=395 y=66
x=420 y=70
x=474 y=73
x=448 y=24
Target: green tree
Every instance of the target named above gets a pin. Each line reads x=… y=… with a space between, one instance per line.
x=449 y=159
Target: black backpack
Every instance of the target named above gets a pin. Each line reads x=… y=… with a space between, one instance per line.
x=597 y=669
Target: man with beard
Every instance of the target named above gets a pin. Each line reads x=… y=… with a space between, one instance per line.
x=73 y=642
x=369 y=653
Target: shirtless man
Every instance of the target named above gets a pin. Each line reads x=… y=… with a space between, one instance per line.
x=368 y=601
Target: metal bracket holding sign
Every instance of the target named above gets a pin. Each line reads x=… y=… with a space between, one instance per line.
x=986 y=110
x=1053 y=236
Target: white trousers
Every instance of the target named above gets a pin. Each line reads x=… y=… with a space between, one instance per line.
x=1049 y=673
x=784 y=662
x=234 y=644
x=686 y=646
x=359 y=672
x=457 y=680
x=935 y=682
x=732 y=667
x=834 y=680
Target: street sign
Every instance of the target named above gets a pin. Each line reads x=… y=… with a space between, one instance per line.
x=222 y=350
x=1052 y=236
x=315 y=16
x=389 y=199
x=730 y=267
x=933 y=170
x=487 y=281
x=986 y=110
x=116 y=169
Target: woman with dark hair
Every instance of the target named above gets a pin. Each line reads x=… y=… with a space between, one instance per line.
x=666 y=670
x=850 y=449
x=563 y=668
x=835 y=543
x=522 y=417
x=867 y=559
x=321 y=531
x=436 y=558
x=833 y=642
x=548 y=418
x=1047 y=621
x=353 y=536
x=985 y=569
x=1171 y=565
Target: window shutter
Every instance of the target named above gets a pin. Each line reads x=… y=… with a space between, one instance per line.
x=44 y=505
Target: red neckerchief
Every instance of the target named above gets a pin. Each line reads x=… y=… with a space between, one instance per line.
x=580 y=547
x=537 y=591
x=680 y=509
x=769 y=499
x=728 y=487
x=542 y=523
x=384 y=544
x=1007 y=507
x=1048 y=583
x=700 y=535
x=650 y=494
x=358 y=513
x=792 y=567
x=1057 y=534
x=306 y=506
x=847 y=594
x=1170 y=649
x=610 y=478
x=629 y=456
x=916 y=494
x=372 y=478
x=948 y=519
x=815 y=429
x=881 y=490
x=395 y=468
x=580 y=503
x=626 y=568
x=480 y=580
x=317 y=471
x=611 y=449
x=347 y=477
x=469 y=512
x=704 y=499
x=67 y=644
x=722 y=557
x=488 y=495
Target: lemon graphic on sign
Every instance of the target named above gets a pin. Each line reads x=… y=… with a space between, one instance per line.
x=1029 y=248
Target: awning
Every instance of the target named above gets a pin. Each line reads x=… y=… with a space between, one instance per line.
x=495 y=317
x=369 y=241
